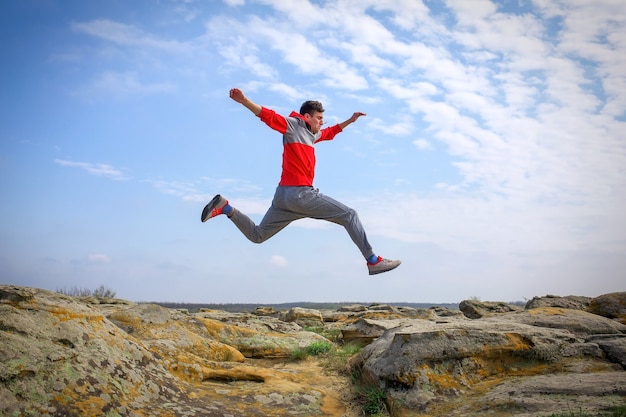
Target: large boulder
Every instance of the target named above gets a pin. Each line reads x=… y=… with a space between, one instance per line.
x=423 y=365
x=475 y=309
x=611 y=305
x=365 y=331
x=305 y=317
x=579 y=323
x=61 y=356
x=573 y=302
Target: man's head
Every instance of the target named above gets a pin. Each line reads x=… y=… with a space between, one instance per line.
x=313 y=113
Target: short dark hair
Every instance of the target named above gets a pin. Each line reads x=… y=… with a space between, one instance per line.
x=310 y=106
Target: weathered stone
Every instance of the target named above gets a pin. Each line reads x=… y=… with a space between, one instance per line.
x=446 y=312
x=612 y=306
x=57 y=353
x=365 y=331
x=423 y=364
x=354 y=308
x=474 y=309
x=305 y=317
x=534 y=396
x=571 y=301
x=613 y=346
x=67 y=356
x=578 y=322
x=264 y=311
x=61 y=356
x=249 y=321
x=330 y=316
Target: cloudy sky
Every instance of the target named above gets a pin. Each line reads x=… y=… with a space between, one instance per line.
x=492 y=160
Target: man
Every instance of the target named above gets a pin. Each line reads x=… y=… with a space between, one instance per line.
x=295 y=197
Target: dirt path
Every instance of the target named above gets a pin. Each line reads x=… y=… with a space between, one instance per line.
x=289 y=388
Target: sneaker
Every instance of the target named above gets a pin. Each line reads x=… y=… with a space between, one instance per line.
x=214 y=208
x=383 y=265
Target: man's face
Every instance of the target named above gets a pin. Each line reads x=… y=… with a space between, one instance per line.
x=315 y=120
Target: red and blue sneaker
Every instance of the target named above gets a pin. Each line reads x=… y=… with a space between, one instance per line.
x=382 y=265
x=214 y=208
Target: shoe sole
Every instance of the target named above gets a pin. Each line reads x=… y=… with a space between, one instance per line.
x=206 y=213
x=384 y=270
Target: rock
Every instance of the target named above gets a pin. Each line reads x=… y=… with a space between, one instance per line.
x=613 y=346
x=423 y=364
x=383 y=307
x=474 y=309
x=446 y=312
x=69 y=356
x=572 y=302
x=540 y=396
x=183 y=339
x=62 y=356
x=264 y=311
x=354 y=308
x=330 y=316
x=250 y=321
x=611 y=305
x=579 y=323
x=365 y=331
x=305 y=317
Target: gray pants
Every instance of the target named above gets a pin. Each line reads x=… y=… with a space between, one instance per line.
x=293 y=203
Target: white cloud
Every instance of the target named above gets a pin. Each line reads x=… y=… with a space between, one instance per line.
x=278 y=261
x=101 y=170
x=98 y=258
x=92 y=259
x=126 y=84
x=422 y=144
x=128 y=35
x=403 y=127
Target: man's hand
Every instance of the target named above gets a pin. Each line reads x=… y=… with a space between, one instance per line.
x=352 y=119
x=237 y=95
x=356 y=115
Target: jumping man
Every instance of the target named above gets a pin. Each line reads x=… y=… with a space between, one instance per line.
x=295 y=197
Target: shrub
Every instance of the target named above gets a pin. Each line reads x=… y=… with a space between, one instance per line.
x=103 y=292
x=370 y=395
x=100 y=292
x=317 y=348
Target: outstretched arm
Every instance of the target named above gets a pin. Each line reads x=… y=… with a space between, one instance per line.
x=352 y=119
x=237 y=95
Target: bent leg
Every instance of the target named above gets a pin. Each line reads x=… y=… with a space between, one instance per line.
x=275 y=220
x=311 y=203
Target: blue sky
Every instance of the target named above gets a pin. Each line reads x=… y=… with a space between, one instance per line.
x=492 y=159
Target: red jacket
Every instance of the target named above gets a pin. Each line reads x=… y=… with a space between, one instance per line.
x=298 y=145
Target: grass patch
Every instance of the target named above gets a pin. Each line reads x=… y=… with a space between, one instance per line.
x=338 y=360
x=317 y=348
x=314 y=349
x=336 y=357
x=334 y=335
x=368 y=393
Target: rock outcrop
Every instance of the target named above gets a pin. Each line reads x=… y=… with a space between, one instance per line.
x=474 y=309
x=572 y=302
x=61 y=356
x=520 y=363
x=66 y=356
x=612 y=306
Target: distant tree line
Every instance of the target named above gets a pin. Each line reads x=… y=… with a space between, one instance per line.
x=248 y=307
x=100 y=292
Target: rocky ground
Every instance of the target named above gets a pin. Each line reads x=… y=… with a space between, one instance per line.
x=67 y=356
